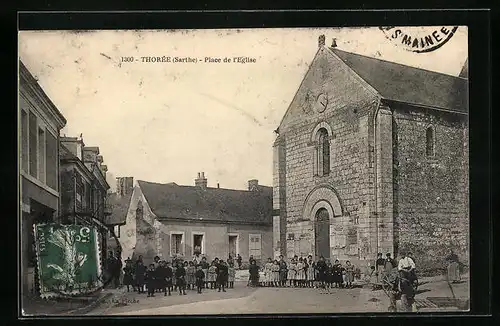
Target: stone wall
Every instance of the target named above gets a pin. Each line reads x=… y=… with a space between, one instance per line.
x=350 y=102
x=431 y=192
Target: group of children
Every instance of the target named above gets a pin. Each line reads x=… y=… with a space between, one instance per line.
x=304 y=272
x=163 y=276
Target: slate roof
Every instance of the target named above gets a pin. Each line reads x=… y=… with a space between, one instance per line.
x=119 y=207
x=407 y=84
x=212 y=204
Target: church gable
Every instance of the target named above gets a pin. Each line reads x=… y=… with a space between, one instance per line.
x=329 y=85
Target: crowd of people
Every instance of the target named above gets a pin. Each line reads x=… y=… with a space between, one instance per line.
x=302 y=272
x=178 y=275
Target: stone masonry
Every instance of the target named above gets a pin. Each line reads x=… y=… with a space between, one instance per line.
x=383 y=193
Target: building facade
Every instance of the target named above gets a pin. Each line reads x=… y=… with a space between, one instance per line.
x=170 y=220
x=372 y=156
x=84 y=188
x=40 y=123
x=119 y=203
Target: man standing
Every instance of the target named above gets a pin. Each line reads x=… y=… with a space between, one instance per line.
x=111 y=267
x=406 y=265
x=239 y=260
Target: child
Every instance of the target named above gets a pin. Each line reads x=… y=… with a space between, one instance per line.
x=231 y=275
x=310 y=272
x=292 y=273
x=222 y=276
x=253 y=270
x=212 y=275
x=174 y=273
x=180 y=276
x=204 y=267
x=128 y=274
x=276 y=273
x=200 y=278
x=161 y=272
x=301 y=275
x=268 y=272
x=349 y=274
x=190 y=278
x=140 y=272
x=150 y=279
x=337 y=274
x=169 y=274
x=329 y=275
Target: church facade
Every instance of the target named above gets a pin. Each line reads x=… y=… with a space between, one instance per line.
x=372 y=156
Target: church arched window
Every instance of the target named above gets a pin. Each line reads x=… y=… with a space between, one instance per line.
x=323 y=152
x=429 y=138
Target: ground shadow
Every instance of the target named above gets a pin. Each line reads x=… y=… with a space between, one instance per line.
x=458 y=282
x=421 y=291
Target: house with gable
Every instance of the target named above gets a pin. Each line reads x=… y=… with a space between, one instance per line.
x=171 y=220
x=372 y=156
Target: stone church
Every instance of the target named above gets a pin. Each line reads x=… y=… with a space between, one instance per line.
x=372 y=156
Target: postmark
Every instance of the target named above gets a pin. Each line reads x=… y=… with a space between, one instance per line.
x=419 y=39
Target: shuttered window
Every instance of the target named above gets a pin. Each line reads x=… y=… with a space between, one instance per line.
x=51 y=161
x=33 y=145
x=255 y=246
x=24 y=141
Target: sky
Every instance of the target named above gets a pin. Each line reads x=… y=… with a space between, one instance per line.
x=165 y=122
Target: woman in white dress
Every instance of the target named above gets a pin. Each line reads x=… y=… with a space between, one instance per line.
x=292 y=272
x=268 y=272
x=301 y=274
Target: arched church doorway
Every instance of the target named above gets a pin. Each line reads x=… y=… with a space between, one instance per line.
x=322 y=233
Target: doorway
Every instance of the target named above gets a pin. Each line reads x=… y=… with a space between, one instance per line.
x=233 y=248
x=322 y=233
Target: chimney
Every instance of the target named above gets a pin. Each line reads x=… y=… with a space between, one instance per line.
x=253 y=185
x=124 y=186
x=201 y=181
x=321 y=41
x=218 y=186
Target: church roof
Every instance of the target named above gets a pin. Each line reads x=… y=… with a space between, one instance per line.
x=172 y=201
x=407 y=84
x=119 y=206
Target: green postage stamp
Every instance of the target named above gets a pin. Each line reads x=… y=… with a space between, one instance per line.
x=68 y=258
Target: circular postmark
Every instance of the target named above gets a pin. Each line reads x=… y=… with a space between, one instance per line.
x=69 y=257
x=419 y=39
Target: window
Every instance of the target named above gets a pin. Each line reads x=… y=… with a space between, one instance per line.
x=51 y=161
x=41 y=154
x=117 y=231
x=24 y=141
x=429 y=135
x=255 y=246
x=324 y=145
x=198 y=243
x=177 y=243
x=233 y=245
x=78 y=191
x=33 y=145
x=322 y=159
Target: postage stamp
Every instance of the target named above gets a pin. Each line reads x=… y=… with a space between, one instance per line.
x=246 y=171
x=68 y=257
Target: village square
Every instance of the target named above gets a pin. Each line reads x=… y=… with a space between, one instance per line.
x=365 y=208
